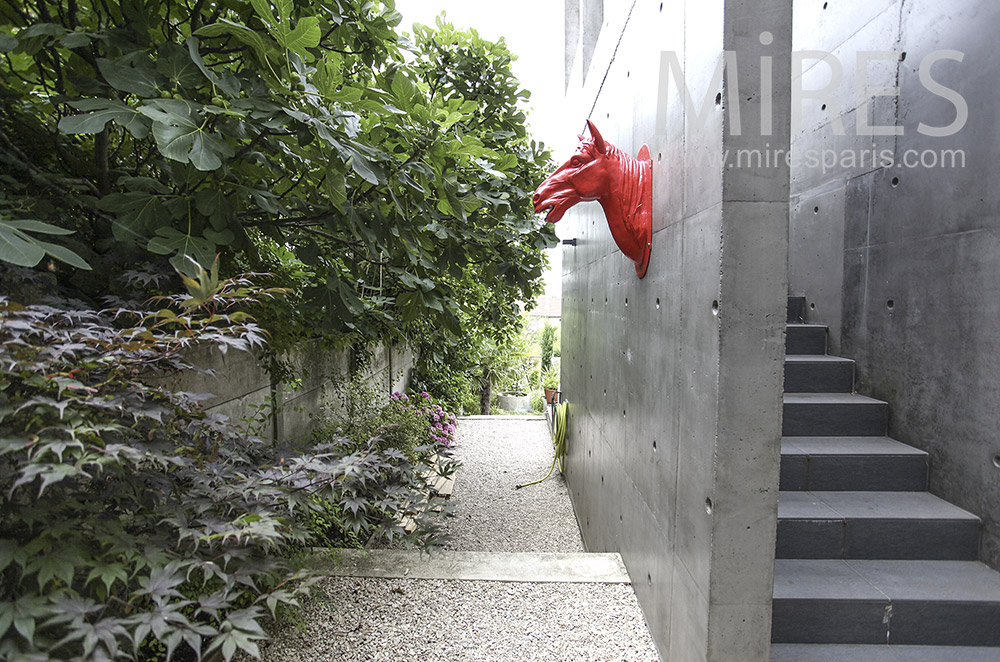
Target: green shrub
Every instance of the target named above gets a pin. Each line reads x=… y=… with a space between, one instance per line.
x=537 y=402
x=136 y=524
x=547 y=343
x=450 y=386
x=367 y=417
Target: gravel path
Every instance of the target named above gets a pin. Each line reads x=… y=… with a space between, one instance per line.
x=490 y=515
x=363 y=620
x=436 y=620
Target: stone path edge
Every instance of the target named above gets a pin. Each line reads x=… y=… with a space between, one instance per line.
x=542 y=567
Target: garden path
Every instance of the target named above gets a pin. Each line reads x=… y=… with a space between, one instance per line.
x=512 y=583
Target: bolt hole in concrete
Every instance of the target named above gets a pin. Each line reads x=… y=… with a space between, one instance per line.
x=715 y=307
x=812 y=306
x=654 y=446
x=996 y=461
x=718 y=99
x=825 y=4
x=605 y=393
x=902 y=56
x=708 y=506
x=890 y=304
x=649 y=579
x=895 y=181
x=626 y=301
x=623 y=413
x=816 y=209
x=823 y=107
x=661 y=6
x=657 y=303
x=659 y=157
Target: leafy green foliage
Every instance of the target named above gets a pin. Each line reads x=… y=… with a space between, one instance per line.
x=387 y=184
x=20 y=246
x=134 y=523
x=551 y=378
x=362 y=414
x=547 y=344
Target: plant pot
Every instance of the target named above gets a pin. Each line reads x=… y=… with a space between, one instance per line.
x=514 y=402
x=551 y=396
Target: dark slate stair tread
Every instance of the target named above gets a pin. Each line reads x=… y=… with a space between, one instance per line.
x=946 y=653
x=877 y=505
x=833 y=415
x=896 y=581
x=935 y=581
x=817 y=358
x=804 y=505
x=830 y=399
x=874 y=525
x=881 y=653
x=852 y=463
x=826 y=579
x=851 y=446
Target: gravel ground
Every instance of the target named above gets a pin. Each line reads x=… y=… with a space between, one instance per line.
x=490 y=515
x=386 y=620
x=432 y=620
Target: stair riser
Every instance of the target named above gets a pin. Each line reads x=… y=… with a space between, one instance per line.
x=834 y=473
x=805 y=340
x=879 y=622
x=820 y=377
x=796 y=309
x=869 y=538
x=834 y=420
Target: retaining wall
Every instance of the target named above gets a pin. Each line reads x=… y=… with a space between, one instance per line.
x=243 y=389
x=675 y=380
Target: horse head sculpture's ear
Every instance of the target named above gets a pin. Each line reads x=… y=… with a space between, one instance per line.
x=598 y=140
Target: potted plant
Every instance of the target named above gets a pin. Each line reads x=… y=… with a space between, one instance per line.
x=550 y=382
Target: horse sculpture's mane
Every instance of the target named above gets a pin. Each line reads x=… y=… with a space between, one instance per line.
x=632 y=179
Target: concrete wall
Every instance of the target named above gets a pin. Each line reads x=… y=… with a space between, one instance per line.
x=904 y=263
x=242 y=389
x=675 y=380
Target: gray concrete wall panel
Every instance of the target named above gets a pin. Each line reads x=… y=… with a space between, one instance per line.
x=675 y=380
x=913 y=296
x=242 y=388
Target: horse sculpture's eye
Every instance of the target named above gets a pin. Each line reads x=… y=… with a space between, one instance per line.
x=576 y=161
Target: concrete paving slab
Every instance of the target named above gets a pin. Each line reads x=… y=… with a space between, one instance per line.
x=481 y=566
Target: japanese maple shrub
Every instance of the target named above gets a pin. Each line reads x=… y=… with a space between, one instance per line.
x=135 y=524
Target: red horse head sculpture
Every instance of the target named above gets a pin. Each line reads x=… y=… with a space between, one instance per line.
x=622 y=184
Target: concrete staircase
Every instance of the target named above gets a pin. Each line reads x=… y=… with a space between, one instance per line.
x=870 y=567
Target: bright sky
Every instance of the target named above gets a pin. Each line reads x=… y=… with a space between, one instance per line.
x=533 y=30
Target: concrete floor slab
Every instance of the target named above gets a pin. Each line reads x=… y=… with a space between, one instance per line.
x=482 y=566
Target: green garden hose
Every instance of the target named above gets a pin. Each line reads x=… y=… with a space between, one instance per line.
x=558 y=440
